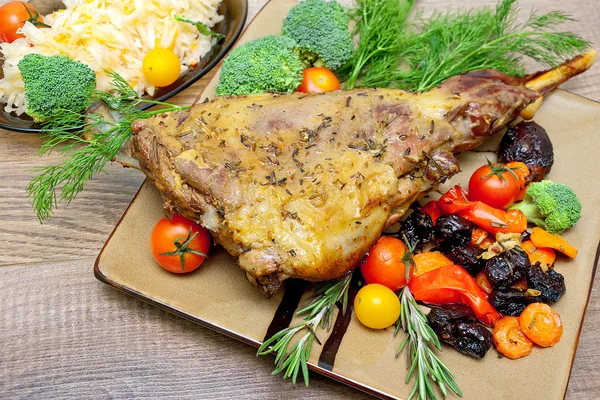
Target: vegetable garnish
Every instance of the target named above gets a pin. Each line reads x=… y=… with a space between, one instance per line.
x=202 y=28
x=376 y=306
x=494 y=220
x=453 y=284
x=552 y=206
x=178 y=244
x=13 y=15
x=54 y=84
x=318 y=314
x=423 y=363
x=432 y=50
x=320 y=29
x=89 y=149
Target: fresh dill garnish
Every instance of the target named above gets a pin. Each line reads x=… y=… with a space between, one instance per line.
x=428 y=51
x=318 y=314
x=88 y=143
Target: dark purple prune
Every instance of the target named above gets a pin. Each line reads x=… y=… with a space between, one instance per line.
x=510 y=301
x=525 y=236
x=473 y=339
x=551 y=284
x=417 y=228
x=528 y=143
x=457 y=325
x=452 y=231
x=507 y=267
x=468 y=258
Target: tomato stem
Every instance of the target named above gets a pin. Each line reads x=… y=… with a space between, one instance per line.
x=499 y=170
x=34 y=18
x=183 y=248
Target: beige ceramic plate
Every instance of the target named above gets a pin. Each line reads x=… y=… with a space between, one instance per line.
x=219 y=297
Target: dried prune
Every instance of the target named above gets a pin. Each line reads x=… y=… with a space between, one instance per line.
x=551 y=284
x=467 y=257
x=528 y=143
x=452 y=231
x=525 y=236
x=507 y=267
x=509 y=301
x=456 y=325
x=417 y=228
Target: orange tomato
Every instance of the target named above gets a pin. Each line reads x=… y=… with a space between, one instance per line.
x=318 y=80
x=385 y=264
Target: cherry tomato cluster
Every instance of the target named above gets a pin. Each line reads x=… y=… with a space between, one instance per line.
x=385 y=270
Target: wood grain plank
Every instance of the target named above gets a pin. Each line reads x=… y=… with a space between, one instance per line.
x=73 y=337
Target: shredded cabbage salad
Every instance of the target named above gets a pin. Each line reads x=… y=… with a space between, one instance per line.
x=110 y=35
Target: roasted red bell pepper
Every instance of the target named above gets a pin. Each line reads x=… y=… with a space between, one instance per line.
x=453 y=284
x=493 y=220
x=432 y=208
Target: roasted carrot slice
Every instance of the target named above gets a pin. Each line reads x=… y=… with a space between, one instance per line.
x=483 y=282
x=543 y=255
x=510 y=340
x=542 y=238
x=541 y=324
x=430 y=260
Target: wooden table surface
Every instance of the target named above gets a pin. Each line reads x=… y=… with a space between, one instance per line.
x=63 y=334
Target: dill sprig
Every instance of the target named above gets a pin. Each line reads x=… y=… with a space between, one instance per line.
x=318 y=314
x=423 y=363
x=446 y=44
x=87 y=143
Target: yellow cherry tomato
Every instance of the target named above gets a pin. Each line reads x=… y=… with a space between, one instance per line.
x=161 y=67
x=376 y=306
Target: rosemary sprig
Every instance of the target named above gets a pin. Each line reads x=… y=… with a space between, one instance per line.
x=428 y=51
x=88 y=143
x=318 y=314
x=423 y=363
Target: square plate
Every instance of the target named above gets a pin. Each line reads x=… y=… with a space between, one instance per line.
x=218 y=296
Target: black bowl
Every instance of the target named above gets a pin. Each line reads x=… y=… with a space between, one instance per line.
x=234 y=11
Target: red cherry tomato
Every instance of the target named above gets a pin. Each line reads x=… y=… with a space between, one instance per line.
x=495 y=185
x=317 y=80
x=179 y=245
x=385 y=264
x=13 y=16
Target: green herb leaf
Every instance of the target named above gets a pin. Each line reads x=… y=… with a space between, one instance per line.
x=88 y=143
x=428 y=51
x=424 y=365
x=319 y=313
x=202 y=28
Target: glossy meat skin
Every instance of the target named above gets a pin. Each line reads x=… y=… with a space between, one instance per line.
x=302 y=185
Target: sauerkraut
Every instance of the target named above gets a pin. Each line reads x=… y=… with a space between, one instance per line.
x=110 y=35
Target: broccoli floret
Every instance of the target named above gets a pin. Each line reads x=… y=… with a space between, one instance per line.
x=321 y=30
x=262 y=65
x=552 y=206
x=55 y=83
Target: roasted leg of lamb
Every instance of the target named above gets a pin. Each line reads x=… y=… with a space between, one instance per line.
x=302 y=185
